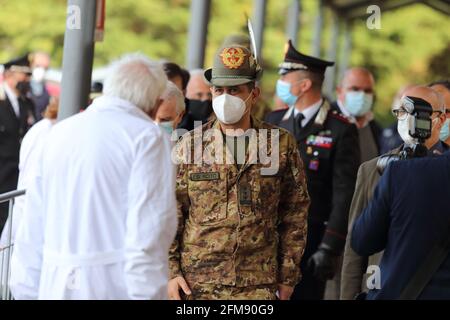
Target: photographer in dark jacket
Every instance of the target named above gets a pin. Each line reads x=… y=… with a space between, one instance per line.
x=407 y=218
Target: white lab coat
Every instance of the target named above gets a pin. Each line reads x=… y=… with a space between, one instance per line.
x=100 y=214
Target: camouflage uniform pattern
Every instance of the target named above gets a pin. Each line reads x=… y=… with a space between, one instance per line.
x=219 y=292
x=221 y=241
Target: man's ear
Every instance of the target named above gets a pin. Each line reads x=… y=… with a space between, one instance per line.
x=307 y=85
x=256 y=93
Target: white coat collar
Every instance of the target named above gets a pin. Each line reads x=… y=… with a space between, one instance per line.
x=110 y=103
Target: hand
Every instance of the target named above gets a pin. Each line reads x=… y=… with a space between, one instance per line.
x=324 y=264
x=285 y=292
x=174 y=286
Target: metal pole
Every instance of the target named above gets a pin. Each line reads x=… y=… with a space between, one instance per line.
x=318 y=30
x=259 y=19
x=330 y=74
x=346 y=49
x=198 y=29
x=6 y=256
x=78 y=56
x=293 y=22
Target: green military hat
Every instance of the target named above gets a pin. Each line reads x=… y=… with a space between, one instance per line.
x=238 y=39
x=233 y=65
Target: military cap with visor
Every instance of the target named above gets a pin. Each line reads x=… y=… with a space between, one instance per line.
x=21 y=64
x=233 y=65
x=295 y=60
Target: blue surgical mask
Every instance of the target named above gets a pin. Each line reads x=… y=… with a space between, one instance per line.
x=167 y=126
x=445 y=132
x=284 y=93
x=358 y=103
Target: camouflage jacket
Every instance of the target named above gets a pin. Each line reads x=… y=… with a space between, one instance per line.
x=239 y=227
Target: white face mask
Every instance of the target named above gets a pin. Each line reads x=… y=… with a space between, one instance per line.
x=38 y=74
x=229 y=109
x=403 y=128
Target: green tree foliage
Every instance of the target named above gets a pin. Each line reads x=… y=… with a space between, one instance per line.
x=412 y=45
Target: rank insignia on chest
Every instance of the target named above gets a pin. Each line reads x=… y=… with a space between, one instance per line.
x=204 y=176
x=313 y=165
x=245 y=194
x=320 y=141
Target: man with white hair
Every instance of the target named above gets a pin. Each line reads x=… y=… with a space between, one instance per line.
x=100 y=213
x=172 y=108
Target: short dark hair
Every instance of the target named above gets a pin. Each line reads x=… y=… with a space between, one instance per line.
x=173 y=70
x=315 y=77
x=444 y=83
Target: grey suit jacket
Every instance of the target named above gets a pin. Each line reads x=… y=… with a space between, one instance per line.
x=353 y=276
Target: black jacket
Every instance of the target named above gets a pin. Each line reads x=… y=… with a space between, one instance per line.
x=331 y=166
x=406 y=217
x=12 y=130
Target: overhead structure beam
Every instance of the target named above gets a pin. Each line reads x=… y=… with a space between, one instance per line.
x=346 y=51
x=318 y=26
x=330 y=74
x=259 y=21
x=198 y=30
x=293 y=21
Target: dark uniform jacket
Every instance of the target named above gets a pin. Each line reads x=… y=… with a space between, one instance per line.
x=12 y=130
x=329 y=148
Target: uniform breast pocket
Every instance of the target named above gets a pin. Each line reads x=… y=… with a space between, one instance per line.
x=208 y=197
x=267 y=189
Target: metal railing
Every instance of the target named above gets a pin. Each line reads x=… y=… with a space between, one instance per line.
x=6 y=248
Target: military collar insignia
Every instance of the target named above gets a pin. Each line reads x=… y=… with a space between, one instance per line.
x=322 y=114
x=233 y=57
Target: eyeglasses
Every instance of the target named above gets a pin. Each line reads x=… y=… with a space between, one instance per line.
x=400 y=113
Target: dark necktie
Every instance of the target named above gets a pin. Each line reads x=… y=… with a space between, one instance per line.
x=298 y=120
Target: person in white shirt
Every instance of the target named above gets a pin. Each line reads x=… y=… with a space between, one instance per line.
x=100 y=212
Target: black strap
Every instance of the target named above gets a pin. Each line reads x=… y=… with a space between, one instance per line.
x=427 y=269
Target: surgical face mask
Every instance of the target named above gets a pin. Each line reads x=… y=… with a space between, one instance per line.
x=23 y=87
x=200 y=110
x=403 y=128
x=166 y=126
x=284 y=92
x=445 y=130
x=38 y=74
x=358 y=103
x=229 y=109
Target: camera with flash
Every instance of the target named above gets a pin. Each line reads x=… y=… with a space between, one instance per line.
x=419 y=128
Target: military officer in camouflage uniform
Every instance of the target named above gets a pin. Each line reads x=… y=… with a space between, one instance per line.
x=242 y=229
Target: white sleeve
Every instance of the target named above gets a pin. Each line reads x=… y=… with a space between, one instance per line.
x=151 y=219
x=26 y=258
